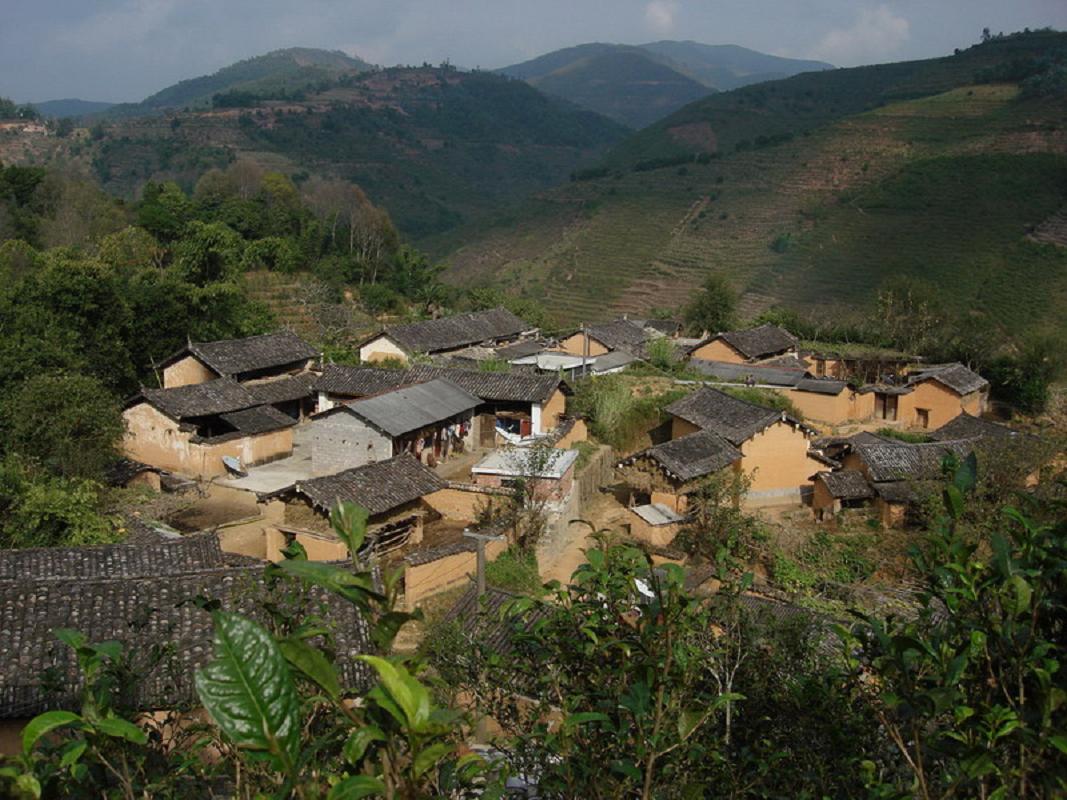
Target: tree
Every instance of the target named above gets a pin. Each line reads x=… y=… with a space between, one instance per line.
x=209 y=252
x=714 y=309
x=70 y=424
x=910 y=314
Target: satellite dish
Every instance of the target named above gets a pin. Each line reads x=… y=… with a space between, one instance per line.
x=233 y=466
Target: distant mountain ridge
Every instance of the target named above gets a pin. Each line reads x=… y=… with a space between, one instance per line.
x=287 y=70
x=640 y=84
x=70 y=107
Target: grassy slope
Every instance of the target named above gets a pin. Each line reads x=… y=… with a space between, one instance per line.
x=943 y=187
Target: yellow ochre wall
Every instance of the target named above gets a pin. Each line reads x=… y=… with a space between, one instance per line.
x=579 y=432
x=655 y=535
x=424 y=580
x=718 y=350
x=776 y=459
x=186 y=371
x=155 y=439
x=846 y=406
x=555 y=408
x=680 y=428
x=574 y=343
x=943 y=403
x=381 y=349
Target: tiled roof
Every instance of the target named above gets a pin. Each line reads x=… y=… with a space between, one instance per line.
x=901 y=461
x=163 y=557
x=230 y=357
x=378 y=487
x=283 y=390
x=486 y=619
x=967 y=427
x=527 y=347
x=460 y=330
x=761 y=342
x=821 y=386
x=123 y=470
x=431 y=554
x=734 y=420
x=692 y=456
x=219 y=396
x=725 y=371
x=492 y=387
x=260 y=419
x=846 y=484
x=411 y=408
x=619 y=333
x=616 y=359
x=957 y=377
x=37 y=672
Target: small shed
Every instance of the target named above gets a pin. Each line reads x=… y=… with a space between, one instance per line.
x=655 y=523
x=550 y=470
x=833 y=491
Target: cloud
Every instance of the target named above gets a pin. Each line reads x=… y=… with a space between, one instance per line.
x=876 y=33
x=659 y=15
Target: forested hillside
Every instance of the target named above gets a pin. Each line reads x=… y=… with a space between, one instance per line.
x=812 y=193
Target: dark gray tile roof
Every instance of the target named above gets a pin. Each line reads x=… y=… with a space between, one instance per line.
x=821 y=386
x=619 y=333
x=967 y=427
x=724 y=371
x=459 y=330
x=162 y=557
x=260 y=419
x=901 y=461
x=411 y=408
x=732 y=419
x=908 y=491
x=668 y=327
x=491 y=387
x=431 y=554
x=957 y=377
x=846 y=484
x=378 y=487
x=527 y=347
x=692 y=456
x=123 y=470
x=761 y=342
x=37 y=672
x=219 y=396
x=230 y=357
x=486 y=619
x=284 y=390
x=359 y=381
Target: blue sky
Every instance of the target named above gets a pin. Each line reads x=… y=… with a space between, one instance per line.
x=126 y=49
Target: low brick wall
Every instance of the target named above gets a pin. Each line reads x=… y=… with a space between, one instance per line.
x=433 y=571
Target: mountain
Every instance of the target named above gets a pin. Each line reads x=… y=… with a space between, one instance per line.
x=639 y=84
x=810 y=193
x=623 y=83
x=70 y=107
x=436 y=147
x=275 y=74
x=728 y=66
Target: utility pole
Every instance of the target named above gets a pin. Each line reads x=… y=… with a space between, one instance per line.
x=480 y=539
x=585 y=351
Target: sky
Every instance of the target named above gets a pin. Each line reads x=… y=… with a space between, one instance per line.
x=124 y=50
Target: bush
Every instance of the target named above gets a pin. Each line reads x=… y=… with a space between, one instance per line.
x=514 y=571
x=379 y=299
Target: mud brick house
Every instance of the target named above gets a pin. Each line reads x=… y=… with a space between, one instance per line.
x=391 y=490
x=833 y=491
x=430 y=420
x=141 y=596
x=772 y=375
x=524 y=404
x=189 y=429
x=492 y=327
x=900 y=473
x=750 y=346
x=830 y=401
x=605 y=337
x=550 y=472
x=271 y=355
x=666 y=473
x=932 y=396
x=859 y=363
x=774 y=447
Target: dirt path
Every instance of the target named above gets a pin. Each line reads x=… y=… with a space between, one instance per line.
x=560 y=564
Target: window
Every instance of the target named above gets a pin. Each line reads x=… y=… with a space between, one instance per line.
x=924 y=417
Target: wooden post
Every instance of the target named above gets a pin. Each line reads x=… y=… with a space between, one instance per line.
x=480 y=539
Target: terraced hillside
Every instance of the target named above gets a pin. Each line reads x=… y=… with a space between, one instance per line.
x=958 y=188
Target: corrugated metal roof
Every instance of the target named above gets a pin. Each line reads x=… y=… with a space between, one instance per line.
x=411 y=408
x=657 y=514
x=724 y=371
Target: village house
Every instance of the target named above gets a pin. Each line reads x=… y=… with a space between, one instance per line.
x=605 y=337
x=143 y=596
x=830 y=401
x=931 y=396
x=492 y=327
x=518 y=404
x=900 y=473
x=430 y=420
x=751 y=346
x=549 y=472
x=774 y=447
x=833 y=491
x=859 y=364
x=190 y=429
